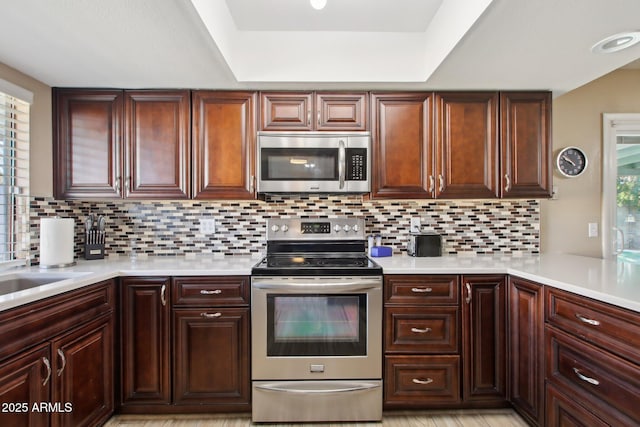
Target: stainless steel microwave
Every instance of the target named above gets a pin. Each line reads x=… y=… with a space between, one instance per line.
x=314 y=162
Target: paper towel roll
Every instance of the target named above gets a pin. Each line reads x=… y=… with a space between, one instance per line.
x=56 y=242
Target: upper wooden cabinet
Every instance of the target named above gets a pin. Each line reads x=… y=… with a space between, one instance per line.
x=526 y=146
x=113 y=144
x=402 y=142
x=223 y=144
x=87 y=143
x=466 y=150
x=309 y=111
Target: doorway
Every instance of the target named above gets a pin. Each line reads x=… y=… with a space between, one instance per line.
x=621 y=186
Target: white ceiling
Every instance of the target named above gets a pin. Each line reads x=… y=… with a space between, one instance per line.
x=367 y=44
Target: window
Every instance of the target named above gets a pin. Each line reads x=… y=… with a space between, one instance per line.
x=14 y=178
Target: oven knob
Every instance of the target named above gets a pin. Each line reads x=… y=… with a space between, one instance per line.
x=346 y=228
x=275 y=228
x=356 y=228
x=337 y=228
x=284 y=228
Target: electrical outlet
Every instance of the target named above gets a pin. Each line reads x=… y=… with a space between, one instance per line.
x=415 y=224
x=207 y=226
x=593 y=229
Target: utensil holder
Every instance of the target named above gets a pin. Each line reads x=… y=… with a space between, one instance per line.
x=94 y=251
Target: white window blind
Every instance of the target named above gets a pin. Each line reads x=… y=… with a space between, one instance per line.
x=14 y=179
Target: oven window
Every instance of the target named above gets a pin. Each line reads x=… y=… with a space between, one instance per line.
x=316 y=325
x=300 y=164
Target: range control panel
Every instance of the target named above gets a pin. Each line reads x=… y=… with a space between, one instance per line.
x=316 y=229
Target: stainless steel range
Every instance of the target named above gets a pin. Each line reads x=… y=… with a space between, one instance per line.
x=316 y=319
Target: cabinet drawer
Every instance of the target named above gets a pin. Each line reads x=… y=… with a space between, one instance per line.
x=411 y=289
x=607 y=382
x=563 y=410
x=421 y=380
x=421 y=330
x=199 y=291
x=612 y=328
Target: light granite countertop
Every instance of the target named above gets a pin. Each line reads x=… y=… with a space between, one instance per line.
x=613 y=282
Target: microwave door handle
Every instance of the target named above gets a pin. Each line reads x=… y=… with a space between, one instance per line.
x=341 y=163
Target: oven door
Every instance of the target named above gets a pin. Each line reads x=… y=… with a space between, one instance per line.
x=316 y=328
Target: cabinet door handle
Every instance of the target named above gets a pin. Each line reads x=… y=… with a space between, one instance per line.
x=432 y=183
x=468 y=298
x=420 y=331
x=421 y=290
x=127 y=184
x=252 y=183
x=118 y=179
x=318 y=118
x=585 y=378
x=309 y=118
x=441 y=186
x=507 y=183
x=210 y=315
x=64 y=362
x=48 y=366
x=163 y=295
x=587 y=320
x=422 y=382
x=208 y=292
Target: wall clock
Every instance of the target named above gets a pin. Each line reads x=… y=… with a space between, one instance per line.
x=571 y=162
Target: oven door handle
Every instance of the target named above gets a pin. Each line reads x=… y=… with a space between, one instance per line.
x=289 y=287
x=276 y=387
x=342 y=166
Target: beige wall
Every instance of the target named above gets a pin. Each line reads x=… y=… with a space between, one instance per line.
x=41 y=166
x=577 y=120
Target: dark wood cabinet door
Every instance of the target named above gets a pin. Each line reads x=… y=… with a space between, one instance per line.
x=341 y=111
x=211 y=351
x=466 y=144
x=224 y=144
x=87 y=132
x=145 y=334
x=286 y=111
x=526 y=166
x=526 y=348
x=484 y=340
x=25 y=380
x=157 y=144
x=564 y=411
x=83 y=375
x=402 y=145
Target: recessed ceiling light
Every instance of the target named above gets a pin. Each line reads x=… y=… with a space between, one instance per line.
x=318 y=4
x=616 y=42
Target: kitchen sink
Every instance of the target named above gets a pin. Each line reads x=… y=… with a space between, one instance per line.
x=15 y=282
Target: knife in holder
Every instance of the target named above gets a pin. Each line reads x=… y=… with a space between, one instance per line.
x=94 y=238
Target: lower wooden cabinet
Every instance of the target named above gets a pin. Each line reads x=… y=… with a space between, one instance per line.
x=484 y=340
x=422 y=381
x=563 y=411
x=526 y=348
x=65 y=375
x=185 y=344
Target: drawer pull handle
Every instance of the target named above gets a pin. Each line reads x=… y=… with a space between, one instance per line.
x=163 y=295
x=210 y=315
x=420 y=331
x=468 y=298
x=421 y=290
x=208 y=292
x=585 y=378
x=587 y=320
x=422 y=382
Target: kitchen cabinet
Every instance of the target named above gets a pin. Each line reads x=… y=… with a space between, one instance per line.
x=421 y=341
x=185 y=344
x=591 y=355
x=114 y=144
x=525 y=138
x=223 y=144
x=526 y=349
x=402 y=145
x=314 y=111
x=466 y=145
x=484 y=340
x=58 y=355
x=145 y=341
x=211 y=342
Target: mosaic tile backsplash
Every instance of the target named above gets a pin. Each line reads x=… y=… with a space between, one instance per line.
x=173 y=227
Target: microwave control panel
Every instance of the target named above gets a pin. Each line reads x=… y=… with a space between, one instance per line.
x=356 y=164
